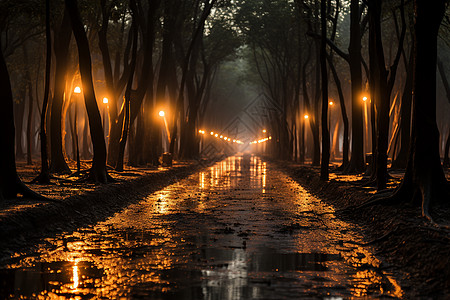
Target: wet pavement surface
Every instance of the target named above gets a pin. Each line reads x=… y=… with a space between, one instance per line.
x=240 y=229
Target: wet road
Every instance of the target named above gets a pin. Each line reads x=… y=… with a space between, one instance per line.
x=240 y=229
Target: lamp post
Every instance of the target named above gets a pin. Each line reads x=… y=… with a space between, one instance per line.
x=105 y=102
x=366 y=125
x=264 y=145
x=77 y=91
x=305 y=117
x=330 y=106
x=162 y=114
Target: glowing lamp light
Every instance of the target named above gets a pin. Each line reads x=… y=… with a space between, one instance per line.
x=264 y=131
x=216 y=135
x=331 y=103
x=221 y=136
x=212 y=132
x=77 y=90
x=105 y=100
x=364 y=98
x=162 y=113
x=306 y=117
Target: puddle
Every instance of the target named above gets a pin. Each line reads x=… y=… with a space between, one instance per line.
x=237 y=230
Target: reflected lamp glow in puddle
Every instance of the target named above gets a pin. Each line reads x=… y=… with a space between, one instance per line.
x=75 y=276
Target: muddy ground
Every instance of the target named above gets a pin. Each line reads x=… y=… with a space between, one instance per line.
x=408 y=242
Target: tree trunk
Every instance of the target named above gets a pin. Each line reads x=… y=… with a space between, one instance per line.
x=382 y=82
x=98 y=171
x=324 y=172
x=354 y=50
x=10 y=183
x=446 y=162
x=85 y=151
x=440 y=65
x=30 y=116
x=19 y=113
x=405 y=116
x=127 y=118
x=345 y=143
x=61 y=47
x=44 y=176
x=424 y=177
x=379 y=94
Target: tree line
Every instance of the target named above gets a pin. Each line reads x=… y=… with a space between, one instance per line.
x=146 y=56
x=378 y=60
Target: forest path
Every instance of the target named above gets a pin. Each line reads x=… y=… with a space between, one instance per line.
x=240 y=229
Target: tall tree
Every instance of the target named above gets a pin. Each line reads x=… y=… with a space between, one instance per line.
x=127 y=103
x=382 y=82
x=98 y=172
x=10 y=183
x=324 y=172
x=61 y=47
x=354 y=60
x=424 y=177
x=44 y=175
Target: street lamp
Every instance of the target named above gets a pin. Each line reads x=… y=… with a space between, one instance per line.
x=366 y=124
x=330 y=105
x=264 y=131
x=162 y=114
x=105 y=101
x=76 y=91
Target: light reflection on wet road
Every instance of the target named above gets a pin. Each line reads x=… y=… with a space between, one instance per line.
x=238 y=230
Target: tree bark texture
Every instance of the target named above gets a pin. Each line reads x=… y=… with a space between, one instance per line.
x=354 y=50
x=98 y=171
x=10 y=183
x=127 y=118
x=61 y=47
x=324 y=172
x=405 y=116
x=345 y=143
x=424 y=178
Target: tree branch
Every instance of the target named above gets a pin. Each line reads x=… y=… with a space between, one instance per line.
x=332 y=45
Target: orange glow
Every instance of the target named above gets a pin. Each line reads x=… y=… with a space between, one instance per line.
x=162 y=113
x=105 y=100
x=306 y=116
x=264 y=131
x=331 y=103
x=212 y=133
x=77 y=90
x=364 y=98
x=75 y=276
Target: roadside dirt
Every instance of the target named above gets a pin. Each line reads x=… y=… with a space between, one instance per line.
x=73 y=203
x=409 y=243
